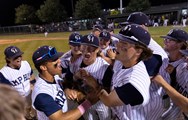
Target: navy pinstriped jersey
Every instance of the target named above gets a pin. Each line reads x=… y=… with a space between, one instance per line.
x=181 y=84
x=101 y=71
x=97 y=69
x=138 y=77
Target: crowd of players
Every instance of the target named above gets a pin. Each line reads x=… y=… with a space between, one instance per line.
x=104 y=76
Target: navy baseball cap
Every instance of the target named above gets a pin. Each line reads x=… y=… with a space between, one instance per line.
x=90 y=39
x=75 y=38
x=134 y=34
x=12 y=52
x=105 y=35
x=44 y=54
x=139 y=18
x=177 y=34
x=97 y=27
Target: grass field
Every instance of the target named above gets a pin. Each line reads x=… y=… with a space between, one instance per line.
x=28 y=43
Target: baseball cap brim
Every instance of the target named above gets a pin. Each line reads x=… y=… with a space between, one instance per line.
x=17 y=54
x=123 y=38
x=90 y=44
x=168 y=37
x=184 y=52
x=53 y=58
x=75 y=43
x=125 y=23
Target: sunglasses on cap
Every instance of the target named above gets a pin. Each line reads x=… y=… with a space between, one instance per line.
x=51 y=53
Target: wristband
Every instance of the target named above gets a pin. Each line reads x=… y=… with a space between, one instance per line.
x=84 y=106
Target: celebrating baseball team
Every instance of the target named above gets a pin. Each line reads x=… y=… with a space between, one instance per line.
x=104 y=76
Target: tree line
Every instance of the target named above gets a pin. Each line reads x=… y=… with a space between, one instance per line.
x=54 y=11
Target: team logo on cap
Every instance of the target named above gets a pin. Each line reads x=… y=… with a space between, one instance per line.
x=77 y=37
x=14 y=50
x=50 y=47
x=104 y=34
x=170 y=32
x=90 y=38
x=127 y=28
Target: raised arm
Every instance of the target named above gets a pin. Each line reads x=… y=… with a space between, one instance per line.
x=176 y=97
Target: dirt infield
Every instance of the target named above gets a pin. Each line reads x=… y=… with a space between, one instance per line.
x=9 y=41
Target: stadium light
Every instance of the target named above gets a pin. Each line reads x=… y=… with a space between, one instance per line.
x=121 y=6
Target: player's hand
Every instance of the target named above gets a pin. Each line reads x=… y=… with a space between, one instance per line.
x=80 y=96
x=99 y=53
x=71 y=94
x=84 y=73
x=111 y=53
x=81 y=74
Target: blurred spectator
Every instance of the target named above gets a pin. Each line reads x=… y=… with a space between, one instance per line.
x=12 y=104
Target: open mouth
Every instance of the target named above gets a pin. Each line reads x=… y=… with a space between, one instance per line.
x=86 y=56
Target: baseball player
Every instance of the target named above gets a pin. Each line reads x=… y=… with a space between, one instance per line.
x=18 y=74
x=66 y=61
x=107 y=52
x=74 y=53
x=153 y=65
x=143 y=20
x=97 y=29
x=130 y=91
x=48 y=97
x=172 y=69
x=99 y=69
x=180 y=100
x=114 y=40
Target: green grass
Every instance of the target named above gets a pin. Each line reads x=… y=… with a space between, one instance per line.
x=60 y=41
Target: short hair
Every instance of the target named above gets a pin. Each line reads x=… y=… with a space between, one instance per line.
x=12 y=103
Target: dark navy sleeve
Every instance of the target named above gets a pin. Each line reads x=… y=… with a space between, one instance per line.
x=46 y=104
x=3 y=80
x=129 y=95
x=107 y=78
x=153 y=64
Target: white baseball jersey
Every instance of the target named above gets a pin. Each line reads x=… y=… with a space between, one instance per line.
x=138 y=77
x=155 y=105
x=48 y=98
x=65 y=59
x=97 y=70
x=154 y=108
x=181 y=78
x=107 y=48
x=157 y=49
x=19 y=78
x=114 y=41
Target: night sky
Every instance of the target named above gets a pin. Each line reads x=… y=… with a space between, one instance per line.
x=7 y=7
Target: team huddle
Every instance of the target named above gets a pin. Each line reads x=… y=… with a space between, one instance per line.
x=105 y=76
